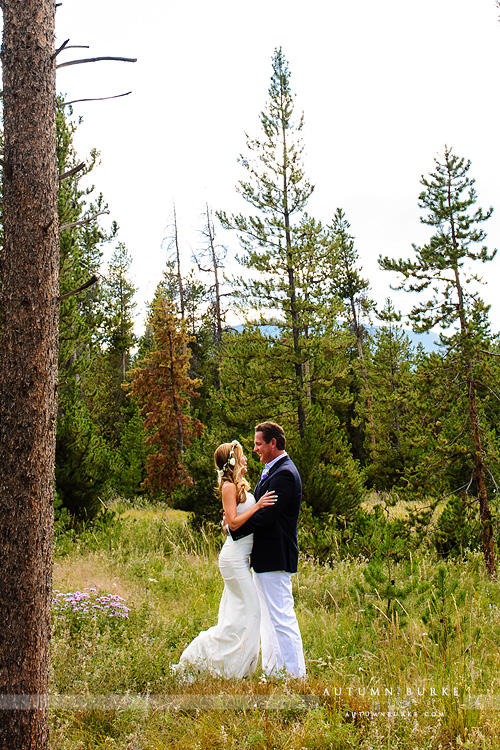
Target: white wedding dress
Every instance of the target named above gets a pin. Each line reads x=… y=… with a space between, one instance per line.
x=230 y=648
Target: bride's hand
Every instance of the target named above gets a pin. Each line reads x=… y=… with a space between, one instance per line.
x=268 y=498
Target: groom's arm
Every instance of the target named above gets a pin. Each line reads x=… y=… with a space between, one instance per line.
x=285 y=486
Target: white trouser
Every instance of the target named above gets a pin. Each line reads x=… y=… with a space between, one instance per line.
x=279 y=630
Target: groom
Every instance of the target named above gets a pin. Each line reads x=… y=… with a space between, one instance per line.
x=275 y=553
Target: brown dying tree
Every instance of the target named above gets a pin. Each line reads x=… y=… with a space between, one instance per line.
x=29 y=266
x=162 y=387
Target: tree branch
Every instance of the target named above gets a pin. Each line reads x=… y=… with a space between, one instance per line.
x=82 y=221
x=60 y=49
x=72 y=172
x=99 y=99
x=95 y=59
x=88 y=283
x=64 y=46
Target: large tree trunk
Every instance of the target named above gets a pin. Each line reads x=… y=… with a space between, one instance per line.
x=29 y=269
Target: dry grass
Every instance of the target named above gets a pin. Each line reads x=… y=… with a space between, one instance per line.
x=401 y=508
x=170 y=579
x=154 y=514
x=95 y=570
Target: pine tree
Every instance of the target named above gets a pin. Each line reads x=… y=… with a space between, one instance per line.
x=350 y=287
x=28 y=368
x=118 y=307
x=111 y=358
x=80 y=258
x=163 y=389
x=278 y=188
x=80 y=443
x=391 y=383
x=442 y=267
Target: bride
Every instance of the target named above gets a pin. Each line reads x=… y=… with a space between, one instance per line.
x=231 y=648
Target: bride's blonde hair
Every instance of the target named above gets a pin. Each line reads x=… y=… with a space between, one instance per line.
x=227 y=459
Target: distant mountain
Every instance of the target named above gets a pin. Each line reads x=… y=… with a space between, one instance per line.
x=429 y=341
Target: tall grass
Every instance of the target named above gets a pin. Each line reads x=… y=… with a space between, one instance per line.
x=374 y=681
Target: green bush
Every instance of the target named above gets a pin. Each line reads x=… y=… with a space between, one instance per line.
x=457 y=529
x=332 y=480
x=199 y=496
x=84 y=464
x=132 y=454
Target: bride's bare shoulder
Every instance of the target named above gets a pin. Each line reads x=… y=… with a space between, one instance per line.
x=228 y=490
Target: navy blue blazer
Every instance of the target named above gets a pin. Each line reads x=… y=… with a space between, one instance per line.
x=274 y=527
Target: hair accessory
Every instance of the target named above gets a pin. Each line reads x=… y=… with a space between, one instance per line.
x=231 y=460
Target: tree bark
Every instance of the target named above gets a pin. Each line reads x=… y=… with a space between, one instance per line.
x=29 y=268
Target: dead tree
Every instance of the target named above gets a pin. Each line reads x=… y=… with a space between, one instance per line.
x=213 y=257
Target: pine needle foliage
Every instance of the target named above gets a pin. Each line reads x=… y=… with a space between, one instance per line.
x=163 y=389
x=444 y=268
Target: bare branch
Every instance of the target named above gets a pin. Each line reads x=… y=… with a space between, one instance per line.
x=88 y=283
x=82 y=221
x=492 y=354
x=65 y=46
x=95 y=59
x=99 y=99
x=60 y=49
x=72 y=172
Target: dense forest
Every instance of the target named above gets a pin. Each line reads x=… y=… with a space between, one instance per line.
x=367 y=412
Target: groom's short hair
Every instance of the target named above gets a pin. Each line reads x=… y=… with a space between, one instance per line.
x=272 y=430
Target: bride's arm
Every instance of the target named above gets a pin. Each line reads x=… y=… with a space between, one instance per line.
x=229 y=504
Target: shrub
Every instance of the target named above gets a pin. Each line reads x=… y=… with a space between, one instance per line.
x=457 y=529
x=84 y=464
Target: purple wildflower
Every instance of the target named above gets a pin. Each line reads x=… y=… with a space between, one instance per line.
x=87 y=602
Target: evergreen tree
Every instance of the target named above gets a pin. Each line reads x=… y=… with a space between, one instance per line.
x=132 y=453
x=85 y=464
x=278 y=188
x=163 y=389
x=116 y=339
x=28 y=368
x=252 y=380
x=351 y=288
x=118 y=307
x=442 y=267
x=80 y=258
x=79 y=442
x=391 y=384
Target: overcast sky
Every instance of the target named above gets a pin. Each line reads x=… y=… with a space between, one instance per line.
x=383 y=86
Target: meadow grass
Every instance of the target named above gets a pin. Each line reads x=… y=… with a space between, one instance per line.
x=377 y=677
